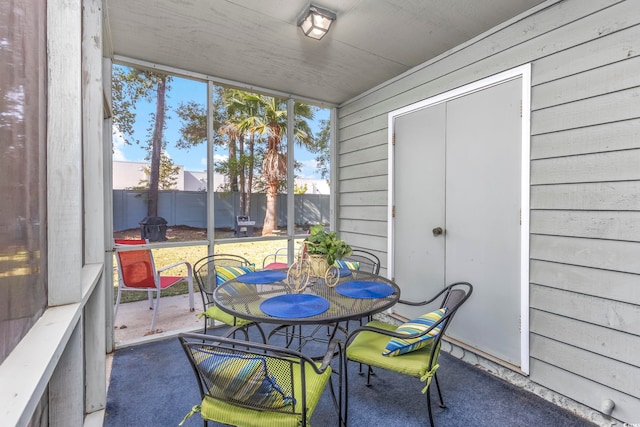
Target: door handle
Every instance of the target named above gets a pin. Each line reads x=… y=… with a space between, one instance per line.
x=437 y=231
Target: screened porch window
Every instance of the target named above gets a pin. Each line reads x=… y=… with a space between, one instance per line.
x=247 y=171
x=23 y=290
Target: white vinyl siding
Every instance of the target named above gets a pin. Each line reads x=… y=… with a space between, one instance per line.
x=585 y=184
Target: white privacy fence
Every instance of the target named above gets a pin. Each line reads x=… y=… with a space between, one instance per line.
x=190 y=208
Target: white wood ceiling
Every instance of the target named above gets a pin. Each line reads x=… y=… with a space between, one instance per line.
x=257 y=42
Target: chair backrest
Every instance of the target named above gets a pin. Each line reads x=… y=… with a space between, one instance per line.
x=136 y=268
x=455 y=295
x=366 y=261
x=205 y=272
x=250 y=375
x=279 y=259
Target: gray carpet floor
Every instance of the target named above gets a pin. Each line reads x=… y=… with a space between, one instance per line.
x=152 y=385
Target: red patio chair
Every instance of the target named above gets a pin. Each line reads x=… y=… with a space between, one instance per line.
x=137 y=272
x=276 y=260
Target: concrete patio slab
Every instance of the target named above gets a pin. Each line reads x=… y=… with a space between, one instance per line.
x=134 y=319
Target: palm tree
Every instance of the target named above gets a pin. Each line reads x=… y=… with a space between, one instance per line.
x=242 y=120
x=241 y=109
x=272 y=123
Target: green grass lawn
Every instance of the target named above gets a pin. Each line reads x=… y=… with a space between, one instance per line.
x=253 y=251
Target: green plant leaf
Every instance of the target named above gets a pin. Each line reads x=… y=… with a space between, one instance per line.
x=322 y=242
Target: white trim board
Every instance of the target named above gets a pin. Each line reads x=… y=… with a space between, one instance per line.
x=523 y=72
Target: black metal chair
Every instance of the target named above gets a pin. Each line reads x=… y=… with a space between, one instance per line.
x=214 y=270
x=367 y=261
x=412 y=348
x=248 y=383
x=361 y=260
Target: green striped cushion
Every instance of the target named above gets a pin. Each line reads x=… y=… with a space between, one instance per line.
x=241 y=378
x=224 y=273
x=398 y=346
x=351 y=265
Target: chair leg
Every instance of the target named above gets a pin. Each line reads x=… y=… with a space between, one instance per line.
x=155 y=312
x=245 y=332
x=429 y=406
x=369 y=373
x=344 y=378
x=206 y=322
x=190 y=290
x=115 y=309
x=442 y=405
x=341 y=399
x=264 y=338
x=240 y=328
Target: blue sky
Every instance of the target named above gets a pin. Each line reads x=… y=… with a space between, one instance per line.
x=183 y=90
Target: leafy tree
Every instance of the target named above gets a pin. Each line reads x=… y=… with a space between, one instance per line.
x=300 y=189
x=322 y=145
x=157 y=144
x=168 y=175
x=130 y=85
x=230 y=107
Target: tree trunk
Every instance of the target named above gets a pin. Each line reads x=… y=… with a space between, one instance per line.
x=156 y=149
x=274 y=168
x=270 y=218
x=241 y=177
x=250 y=168
x=233 y=164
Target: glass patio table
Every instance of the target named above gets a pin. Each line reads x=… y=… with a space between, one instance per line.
x=266 y=297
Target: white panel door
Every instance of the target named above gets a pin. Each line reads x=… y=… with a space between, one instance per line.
x=419 y=201
x=483 y=216
x=457 y=166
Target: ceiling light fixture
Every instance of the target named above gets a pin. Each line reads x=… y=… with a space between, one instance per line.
x=315 y=22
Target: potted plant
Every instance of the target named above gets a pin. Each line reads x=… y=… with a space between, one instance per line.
x=324 y=248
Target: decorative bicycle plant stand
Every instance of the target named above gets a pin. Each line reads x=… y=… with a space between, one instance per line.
x=308 y=268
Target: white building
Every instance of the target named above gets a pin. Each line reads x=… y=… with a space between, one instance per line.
x=128 y=174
